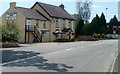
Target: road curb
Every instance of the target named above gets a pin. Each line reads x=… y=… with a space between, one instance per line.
x=113 y=64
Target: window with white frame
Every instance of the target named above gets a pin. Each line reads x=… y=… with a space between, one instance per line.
x=29 y=24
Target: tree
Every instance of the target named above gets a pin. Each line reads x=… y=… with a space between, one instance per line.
x=84 y=10
x=113 y=22
x=10 y=32
x=95 y=25
x=103 y=24
x=98 y=25
x=86 y=29
x=79 y=26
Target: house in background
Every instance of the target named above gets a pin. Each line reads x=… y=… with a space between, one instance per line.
x=41 y=23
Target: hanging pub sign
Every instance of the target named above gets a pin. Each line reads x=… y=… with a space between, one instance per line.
x=11 y=16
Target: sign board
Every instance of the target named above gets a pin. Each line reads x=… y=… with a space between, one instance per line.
x=11 y=16
x=114 y=28
x=29 y=22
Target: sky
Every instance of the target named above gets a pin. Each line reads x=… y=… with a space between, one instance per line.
x=98 y=6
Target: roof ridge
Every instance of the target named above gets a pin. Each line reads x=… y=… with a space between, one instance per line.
x=25 y=8
x=49 y=4
x=30 y=13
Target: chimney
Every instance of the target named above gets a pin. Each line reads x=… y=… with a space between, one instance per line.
x=12 y=4
x=62 y=6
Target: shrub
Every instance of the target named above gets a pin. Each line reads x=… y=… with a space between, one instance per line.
x=87 y=38
x=111 y=36
x=10 y=32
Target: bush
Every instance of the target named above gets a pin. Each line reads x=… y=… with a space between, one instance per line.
x=9 y=44
x=111 y=36
x=99 y=36
x=87 y=38
x=10 y=32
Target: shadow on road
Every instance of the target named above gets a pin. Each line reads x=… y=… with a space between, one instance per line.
x=10 y=55
x=37 y=61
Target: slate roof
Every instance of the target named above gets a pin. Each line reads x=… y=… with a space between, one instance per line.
x=55 y=11
x=30 y=13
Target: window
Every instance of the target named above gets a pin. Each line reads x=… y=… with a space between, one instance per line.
x=29 y=25
x=44 y=34
x=44 y=24
x=63 y=24
x=37 y=23
x=52 y=21
x=56 y=29
x=57 y=25
x=70 y=25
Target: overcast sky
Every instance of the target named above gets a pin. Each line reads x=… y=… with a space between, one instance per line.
x=98 y=6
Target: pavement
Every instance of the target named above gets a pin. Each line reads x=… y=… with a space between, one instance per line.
x=85 y=56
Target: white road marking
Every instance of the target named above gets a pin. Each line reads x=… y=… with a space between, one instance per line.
x=17 y=60
x=69 y=49
x=114 y=62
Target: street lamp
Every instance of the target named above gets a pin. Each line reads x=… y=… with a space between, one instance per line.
x=106 y=18
x=106 y=12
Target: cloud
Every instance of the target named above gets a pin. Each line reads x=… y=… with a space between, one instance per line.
x=97 y=6
x=106 y=0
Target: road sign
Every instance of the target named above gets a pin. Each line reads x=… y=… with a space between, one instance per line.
x=114 y=28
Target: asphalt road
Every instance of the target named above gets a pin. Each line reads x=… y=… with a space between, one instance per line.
x=96 y=56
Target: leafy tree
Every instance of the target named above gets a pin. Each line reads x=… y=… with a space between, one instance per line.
x=10 y=32
x=83 y=15
x=84 y=9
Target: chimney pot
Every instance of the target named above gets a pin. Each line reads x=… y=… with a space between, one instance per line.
x=62 y=6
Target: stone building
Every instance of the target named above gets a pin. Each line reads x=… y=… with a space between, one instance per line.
x=41 y=23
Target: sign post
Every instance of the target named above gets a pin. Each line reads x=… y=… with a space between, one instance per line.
x=114 y=29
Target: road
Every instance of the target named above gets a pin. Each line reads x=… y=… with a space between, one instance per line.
x=90 y=56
